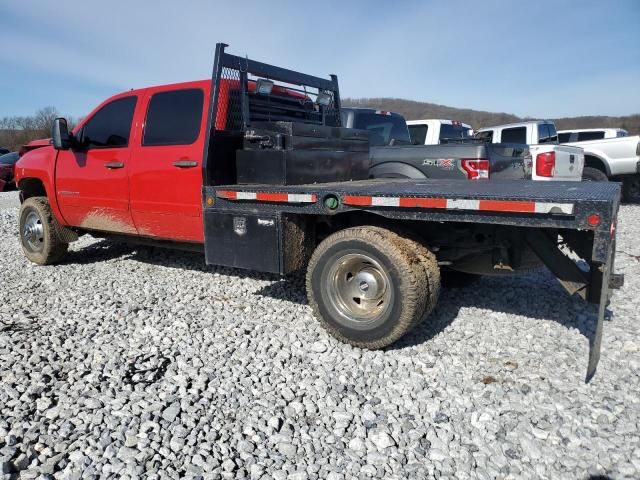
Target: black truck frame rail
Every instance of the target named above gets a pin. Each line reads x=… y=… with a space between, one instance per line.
x=272 y=227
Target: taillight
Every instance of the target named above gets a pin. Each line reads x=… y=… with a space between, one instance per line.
x=545 y=164
x=476 y=168
x=638 y=149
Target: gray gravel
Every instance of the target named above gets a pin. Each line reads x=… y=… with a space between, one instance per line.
x=131 y=363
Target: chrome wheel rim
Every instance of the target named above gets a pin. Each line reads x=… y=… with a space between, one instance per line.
x=359 y=288
x=33 y=232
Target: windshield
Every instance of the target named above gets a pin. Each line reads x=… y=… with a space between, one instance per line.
x=9 y=158
x=383 y=128
x=449 y=131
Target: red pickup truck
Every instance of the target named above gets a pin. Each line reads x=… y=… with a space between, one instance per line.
x=255 y=168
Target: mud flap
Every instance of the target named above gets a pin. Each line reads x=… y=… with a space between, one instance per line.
x=593 y=286
x=604 y=274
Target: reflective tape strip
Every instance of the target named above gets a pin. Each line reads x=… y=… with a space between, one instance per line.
x=302 y=198
x=455 y=204
x=514 y=206
x=543 y=207
x=385 y=202
x=268 y=196
x=246 y=195
x=507 y=206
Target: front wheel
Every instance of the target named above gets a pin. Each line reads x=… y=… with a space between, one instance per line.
x=368 y=287
x=39 y=235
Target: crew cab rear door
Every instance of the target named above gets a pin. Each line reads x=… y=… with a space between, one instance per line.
x=91 y=181
x=166 y=166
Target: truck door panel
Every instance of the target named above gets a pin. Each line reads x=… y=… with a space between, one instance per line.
x=166 y=168
x=92 y=185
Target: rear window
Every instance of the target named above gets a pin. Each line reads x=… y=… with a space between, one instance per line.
x=485 y=136
x=514 y=135
x=383 y=128
x=586 y=136
x=547 y=133
x=453 y=132
x=564 y=137
x=418 y=134
x=174 y=118
x=9 y=158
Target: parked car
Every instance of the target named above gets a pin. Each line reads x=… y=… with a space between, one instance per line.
x=4 y=151
x=609 y=154
x=550 y=160
x=436 y=131
x=394 y=156
x=585 y=134
x=7 y=170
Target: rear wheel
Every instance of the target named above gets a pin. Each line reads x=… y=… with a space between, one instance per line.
x=368 y=287
x=590 y=174
x=39 y=236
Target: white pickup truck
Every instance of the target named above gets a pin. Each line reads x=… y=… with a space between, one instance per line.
x=551 y=161
x=609 y=154
x=433 y=131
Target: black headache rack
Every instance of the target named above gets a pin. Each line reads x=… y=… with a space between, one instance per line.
x=270 y=228
x=268 y=124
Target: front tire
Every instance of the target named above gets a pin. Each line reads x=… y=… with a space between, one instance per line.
x=590 y=174
x=368 y=287
x=39 y=236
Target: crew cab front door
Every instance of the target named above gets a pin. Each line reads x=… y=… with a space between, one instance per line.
x=166 y=167
x=91 y=180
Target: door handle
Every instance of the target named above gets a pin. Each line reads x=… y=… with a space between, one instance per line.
x=185 y=164
x=113 y=165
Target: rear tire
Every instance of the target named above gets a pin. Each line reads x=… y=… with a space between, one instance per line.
x=369 y=286
x=39 y=235
x=590 y=174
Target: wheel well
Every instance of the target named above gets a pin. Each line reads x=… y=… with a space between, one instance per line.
x=595 y=162
x=31 y=187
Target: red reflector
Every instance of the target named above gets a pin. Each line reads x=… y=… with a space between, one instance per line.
x=545 y=164
x=593 y=219
x=476 y=168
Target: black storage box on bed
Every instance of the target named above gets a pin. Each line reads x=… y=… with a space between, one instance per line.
x=292 y=153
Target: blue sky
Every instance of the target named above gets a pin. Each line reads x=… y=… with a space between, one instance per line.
x=536 y=58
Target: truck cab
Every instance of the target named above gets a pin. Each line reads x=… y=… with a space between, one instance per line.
x=436 y=131
x=385 y=128
x=551 y=161
x=135 y=167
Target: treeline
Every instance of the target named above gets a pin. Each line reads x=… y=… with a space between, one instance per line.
x=16 y=131
x=478 y=119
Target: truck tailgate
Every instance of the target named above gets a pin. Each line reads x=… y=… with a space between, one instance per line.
x=569 y=162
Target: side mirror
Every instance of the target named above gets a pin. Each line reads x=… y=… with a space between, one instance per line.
x=60 y=134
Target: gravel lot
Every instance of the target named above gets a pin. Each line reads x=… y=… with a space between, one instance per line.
x=129 y=362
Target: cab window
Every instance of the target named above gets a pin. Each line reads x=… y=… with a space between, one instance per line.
x=174 y=117
x=418 y=134
x=110 y=127
x=514 y=135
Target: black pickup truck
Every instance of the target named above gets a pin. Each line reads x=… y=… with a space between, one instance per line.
x=393 y=156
